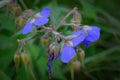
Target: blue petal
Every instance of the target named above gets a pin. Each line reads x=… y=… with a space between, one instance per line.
x=94 y=34
x=67 y=54
x=87 y=43
x=45 y=12
x=76 y=41
x=27 y=28
x=78 y=32
x=40 y=21
x=95 y=28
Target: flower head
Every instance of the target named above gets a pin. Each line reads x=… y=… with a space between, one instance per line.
x=39 y=20
x=86 y=35
x=93 y=35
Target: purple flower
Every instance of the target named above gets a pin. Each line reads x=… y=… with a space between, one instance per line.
x=39 y=20
x=93 y=35
x=86 y=35
x=67 y=53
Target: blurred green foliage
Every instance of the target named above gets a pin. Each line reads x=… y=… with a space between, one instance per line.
x=102 y=58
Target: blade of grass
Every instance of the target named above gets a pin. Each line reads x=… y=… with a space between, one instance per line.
x=101 y=55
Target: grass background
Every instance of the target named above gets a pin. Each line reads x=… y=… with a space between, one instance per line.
x=102 y=58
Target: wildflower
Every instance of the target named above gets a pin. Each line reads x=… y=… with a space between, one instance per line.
x=39 y=20
x=86 y=35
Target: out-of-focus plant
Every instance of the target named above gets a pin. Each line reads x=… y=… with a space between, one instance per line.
x=49 y=35
x=61 y=46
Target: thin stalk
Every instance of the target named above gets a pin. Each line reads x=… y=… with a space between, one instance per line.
x=23 y=4
x=27 y=74
x=31 y=73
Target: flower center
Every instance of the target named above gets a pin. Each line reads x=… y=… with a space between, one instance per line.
x=86 y=28
x=32 y=20
x=37 y=15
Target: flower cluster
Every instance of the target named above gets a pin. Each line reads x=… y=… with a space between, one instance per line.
x=67 y=51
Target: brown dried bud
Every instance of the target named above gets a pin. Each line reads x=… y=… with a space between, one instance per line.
x=76 y=65
x=54 y=49
x=16 y=10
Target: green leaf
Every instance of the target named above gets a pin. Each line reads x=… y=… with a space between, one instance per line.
x=61 y=12
x=101 y=55
x=3 y=76
x=33 y=50
x=6 y=23
x=6 y=42
x=60 y=73
x=42 y=67
x=23 y=72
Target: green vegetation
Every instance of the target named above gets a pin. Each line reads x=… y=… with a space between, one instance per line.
x=102 y=60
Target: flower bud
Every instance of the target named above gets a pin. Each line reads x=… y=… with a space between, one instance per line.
x=13 y=8
x=76 y=65
x=17 y=58
x=20 y=22
x=54 y=49
x=45 y=41
x=81 y=56
x=25 y=58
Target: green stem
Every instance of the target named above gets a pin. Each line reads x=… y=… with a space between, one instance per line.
x=72 y=71
x=69 y=14
x=31 y=73
x=27 y=74
x=23 y=4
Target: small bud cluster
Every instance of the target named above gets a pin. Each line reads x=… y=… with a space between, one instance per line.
x=21 y=54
